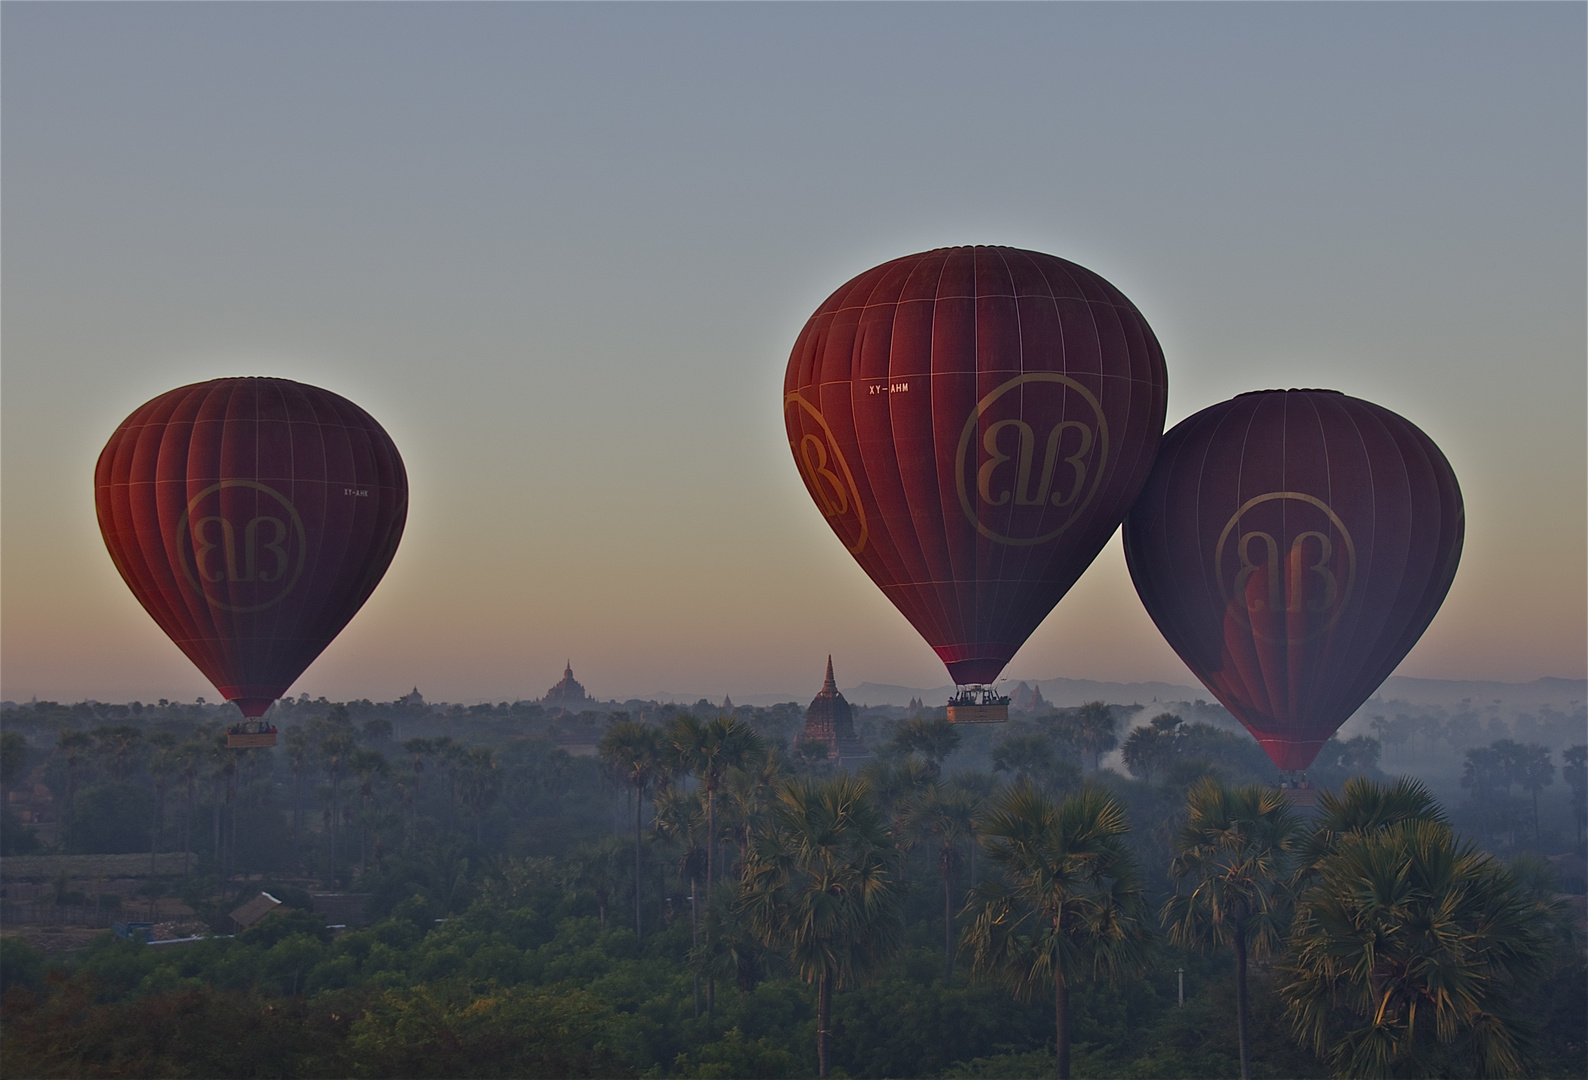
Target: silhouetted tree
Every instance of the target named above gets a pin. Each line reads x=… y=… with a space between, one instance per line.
x=1066 y=907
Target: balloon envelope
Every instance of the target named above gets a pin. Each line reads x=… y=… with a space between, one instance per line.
x=252 y=518
x=973 y=423
x=1292 y=546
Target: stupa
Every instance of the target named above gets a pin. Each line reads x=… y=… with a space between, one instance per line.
x=568 y=692
x=830 y=720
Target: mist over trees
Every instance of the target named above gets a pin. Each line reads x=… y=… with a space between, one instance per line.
x=651 y=889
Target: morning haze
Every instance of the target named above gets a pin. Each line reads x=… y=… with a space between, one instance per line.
x=561 y=253
x=626 y=768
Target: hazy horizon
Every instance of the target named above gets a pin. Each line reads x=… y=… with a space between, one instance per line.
x=561 y=253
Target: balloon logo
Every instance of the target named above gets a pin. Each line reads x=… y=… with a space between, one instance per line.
x=1299 y=594
x=826 y=473
x=1292 y=546
x=272 y=555
x=973 y=423
x=252 y=518
x=982 y=472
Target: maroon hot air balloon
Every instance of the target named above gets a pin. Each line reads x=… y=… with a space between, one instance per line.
x=1292 y=546
x=252 y=518
x=974 y=422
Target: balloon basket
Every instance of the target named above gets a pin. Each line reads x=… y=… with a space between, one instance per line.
x=1301 y=798
x=978 y=705
x=978 y=714
x=250 y=740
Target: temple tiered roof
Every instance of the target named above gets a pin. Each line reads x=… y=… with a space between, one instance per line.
x=568 y=692
x=830 y=720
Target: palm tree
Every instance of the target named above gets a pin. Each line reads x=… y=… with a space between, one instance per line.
x=747 y=798
x=709 y=750
x=296 y=744
x=336 y=748
x=1033 y=758
x=1149 y=748
x=1093 y=731
x=818 y=887
x=223 y=767
x=420 y=749
x=1236 y=849
x=1409 y=953
x=632 y=751
x=1575 y=773
x=1363 y=806
x=1067 y=904
x=681 y=821
x=944 y=817
x=482 y=781
x=163 y=761
x=1533 y=770
x=72 y=747
x=368 y=765
x=189 y=757
x=933 y=740
x=597 y=866
x=120 y=746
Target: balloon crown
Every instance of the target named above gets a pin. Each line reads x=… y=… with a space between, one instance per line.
x=1292 y=390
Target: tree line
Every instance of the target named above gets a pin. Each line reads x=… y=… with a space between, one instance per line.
x=700 y=898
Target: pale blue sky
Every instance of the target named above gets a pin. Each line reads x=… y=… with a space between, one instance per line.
x=562 y=252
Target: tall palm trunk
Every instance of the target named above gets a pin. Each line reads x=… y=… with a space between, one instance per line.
x=236 y=801
x=711 y=861
x=946 y=862
x=639 y=803
x=694 y=933
x=1240 y=997
x=187 y=822
x=824 y=1024
x=297 y=802
x=1061 y=1024
x=215 y=821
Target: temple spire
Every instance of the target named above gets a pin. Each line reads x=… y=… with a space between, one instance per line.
x=829 y=686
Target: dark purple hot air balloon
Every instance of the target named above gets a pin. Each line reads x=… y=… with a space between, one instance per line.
x=252 y=518
x=973 y=422
x=1292 y=546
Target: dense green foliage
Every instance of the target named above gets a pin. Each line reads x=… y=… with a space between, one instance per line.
x=695 y=899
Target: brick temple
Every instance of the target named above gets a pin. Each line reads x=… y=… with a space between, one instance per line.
x=830 y=720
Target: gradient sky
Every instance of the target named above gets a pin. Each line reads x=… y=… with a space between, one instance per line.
x=562 y=252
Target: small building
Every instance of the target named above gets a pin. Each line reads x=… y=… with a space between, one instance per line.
x=256 y=909
x=341 y=909
x=830 y=720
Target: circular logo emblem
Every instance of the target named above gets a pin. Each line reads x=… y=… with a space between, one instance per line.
x=1030 y=458
x=241 y=545
x=1286 y=565
x=825 y=471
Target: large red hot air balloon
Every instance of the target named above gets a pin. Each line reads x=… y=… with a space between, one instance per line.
x=252 y=518
x=1292 y=546
x=974 y=422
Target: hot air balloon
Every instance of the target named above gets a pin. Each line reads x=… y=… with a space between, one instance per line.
x=1292 y=546
x=251 y=518
x=973 y=423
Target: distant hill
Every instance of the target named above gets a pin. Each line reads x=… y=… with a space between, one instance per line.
x=1060 y=692
x=1069 y=692
x=1558 y=692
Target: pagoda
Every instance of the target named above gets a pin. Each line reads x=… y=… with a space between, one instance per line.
x=568 y=692
x=830 y=720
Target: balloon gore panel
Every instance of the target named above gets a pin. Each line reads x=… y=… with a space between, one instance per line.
x=1292 y=546
x=252 y=518
x=973 y=423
